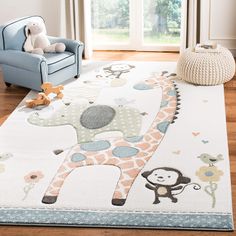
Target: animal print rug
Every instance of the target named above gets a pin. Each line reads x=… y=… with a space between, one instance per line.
x=129 y=145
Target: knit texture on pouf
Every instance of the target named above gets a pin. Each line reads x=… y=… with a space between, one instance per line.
x=206 y=68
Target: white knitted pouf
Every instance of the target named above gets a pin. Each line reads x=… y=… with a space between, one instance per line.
x=206 y=68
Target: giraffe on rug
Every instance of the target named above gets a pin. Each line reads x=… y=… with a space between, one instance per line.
x=129 y=154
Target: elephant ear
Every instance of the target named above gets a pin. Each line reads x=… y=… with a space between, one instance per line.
x=27 y=46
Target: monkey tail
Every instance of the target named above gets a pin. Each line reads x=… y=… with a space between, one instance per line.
x=195 y=187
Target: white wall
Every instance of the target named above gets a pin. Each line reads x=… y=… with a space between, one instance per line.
x=218 y=22
x=48 y=9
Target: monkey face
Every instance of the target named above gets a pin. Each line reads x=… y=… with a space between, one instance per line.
x=163 y=177
x=120 y=67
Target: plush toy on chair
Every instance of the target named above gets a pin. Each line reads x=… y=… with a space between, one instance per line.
x=37 y=41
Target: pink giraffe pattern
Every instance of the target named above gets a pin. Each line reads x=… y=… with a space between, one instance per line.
x=128 y=154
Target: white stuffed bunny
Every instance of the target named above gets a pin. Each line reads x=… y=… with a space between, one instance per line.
x=37 y=41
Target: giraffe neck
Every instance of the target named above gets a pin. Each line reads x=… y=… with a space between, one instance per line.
x=166 y=114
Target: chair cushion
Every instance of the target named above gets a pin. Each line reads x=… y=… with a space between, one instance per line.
x=58 y=61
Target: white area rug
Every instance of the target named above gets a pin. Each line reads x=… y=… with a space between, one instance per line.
x=129 y=145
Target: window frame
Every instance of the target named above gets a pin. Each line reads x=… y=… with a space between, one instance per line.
x=136 y=39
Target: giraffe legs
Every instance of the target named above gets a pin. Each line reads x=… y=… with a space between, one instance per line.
x=128 y=173
x=123 y=186
x=72 y=162
x=54 y=188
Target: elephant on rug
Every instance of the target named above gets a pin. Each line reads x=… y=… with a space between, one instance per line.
x=90 y=120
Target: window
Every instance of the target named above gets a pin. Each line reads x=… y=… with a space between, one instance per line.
x=110 y=21
x=136 y=24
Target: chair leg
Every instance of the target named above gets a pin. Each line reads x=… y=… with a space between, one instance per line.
x=8 y=84
x=76 y=76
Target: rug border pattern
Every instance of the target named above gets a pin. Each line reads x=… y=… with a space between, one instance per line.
x=193 y=221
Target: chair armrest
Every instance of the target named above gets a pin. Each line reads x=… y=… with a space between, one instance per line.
x=71 y=45
x=23 y=60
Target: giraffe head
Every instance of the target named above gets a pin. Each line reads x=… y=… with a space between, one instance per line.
x=155 y=81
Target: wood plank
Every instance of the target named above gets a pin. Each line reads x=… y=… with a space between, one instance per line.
x=10 y=97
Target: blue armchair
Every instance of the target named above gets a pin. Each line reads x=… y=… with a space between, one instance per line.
x=31 y=70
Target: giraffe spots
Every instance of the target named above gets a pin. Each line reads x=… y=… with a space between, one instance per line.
x=134 y=139
x=156 y=136
x=74 y=164
x=122 y=177
x=123 y=151
x=170 y=117
x=141 y=154
x=147 y=138
x=126 y=189
x=169 y=110
x=171 y=92
x=113 y=161
x=165 y=97
x=90 y=161
x=61 y=169
x=152 y=149
x=117 y=195
x=91 y=154
x=127 y=165
x=162 y=127
x=140 y=163
x=95 y=146
x=142 y=86
x=55 y=192
x=58 y=183
x=63 y=176
x=100 y=158
x=164 y=103
x=143 y=146
x=76 y=157
x=161 y=115
x=127 y=183
x=122 y=144
x=132 y=173
x=108 y=153
x=172 y=104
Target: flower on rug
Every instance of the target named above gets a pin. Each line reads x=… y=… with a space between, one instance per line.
x=210 y=174
x=31 y=179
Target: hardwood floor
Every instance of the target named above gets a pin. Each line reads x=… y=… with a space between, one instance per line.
x=10 y=97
